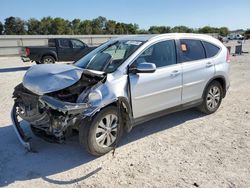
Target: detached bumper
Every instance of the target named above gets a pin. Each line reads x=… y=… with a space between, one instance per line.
x=72 y=109
x=24 y=140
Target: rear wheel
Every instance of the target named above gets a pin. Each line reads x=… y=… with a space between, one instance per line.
x=48 y=60
x=101 y=134
x=212 y=98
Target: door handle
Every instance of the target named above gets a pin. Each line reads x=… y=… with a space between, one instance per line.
x=209 y=64
x=175 y=73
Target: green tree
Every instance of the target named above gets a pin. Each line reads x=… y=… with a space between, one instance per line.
x=110 y=27
x=131 y=28
x=153 y=30
x=182 y=29
x=68 y=28
x=208 y=29
x=119 y=29
x=159 y=29
x=98 y=25
x=223 y=31
x=247 y=34
x=75 y=24
x=46 y=26
x=142 y=31
x=85 y=27
x=247 y=31
x=14 y=26
x=33 y=26
x=1 y=28
x=59 y=26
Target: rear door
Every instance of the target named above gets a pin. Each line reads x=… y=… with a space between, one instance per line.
x=153 y=92
x=64 y=50
x=79 y=49
x=197 y=69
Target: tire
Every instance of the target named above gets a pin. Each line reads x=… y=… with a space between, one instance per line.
x=48 y=60
x=92 y=132
x=212 y=98
x=38 y=62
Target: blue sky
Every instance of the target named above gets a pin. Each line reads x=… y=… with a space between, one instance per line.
x=192 y=13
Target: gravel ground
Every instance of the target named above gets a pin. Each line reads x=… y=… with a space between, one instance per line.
x=184 y=149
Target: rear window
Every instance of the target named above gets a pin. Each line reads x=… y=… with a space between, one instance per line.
x=192 y=50
x=211 y=50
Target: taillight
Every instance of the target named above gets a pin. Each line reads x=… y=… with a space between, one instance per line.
x=228 y=57
x=27 y=52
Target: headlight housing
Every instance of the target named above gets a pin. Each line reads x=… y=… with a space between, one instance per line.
x=95 y=97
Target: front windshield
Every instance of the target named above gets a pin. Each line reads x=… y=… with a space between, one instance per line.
x=109 y=56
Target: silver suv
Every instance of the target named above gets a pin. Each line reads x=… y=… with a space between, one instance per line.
x=124 y=82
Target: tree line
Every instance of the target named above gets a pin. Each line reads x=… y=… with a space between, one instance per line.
x=99 y=25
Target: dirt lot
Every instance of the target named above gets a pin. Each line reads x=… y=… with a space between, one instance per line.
x=185 y=149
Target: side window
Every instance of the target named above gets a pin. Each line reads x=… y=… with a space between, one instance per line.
x=161 y=54
x=77 y=44
x=211 y=50
x=192 y=50
x=64 y=43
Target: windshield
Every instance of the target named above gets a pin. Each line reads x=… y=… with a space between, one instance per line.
x=109 y=56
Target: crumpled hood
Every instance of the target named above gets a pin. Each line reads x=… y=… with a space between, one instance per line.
x=42 y=79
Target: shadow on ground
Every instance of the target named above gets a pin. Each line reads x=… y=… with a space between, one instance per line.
x=14 y=69
x=18 y=165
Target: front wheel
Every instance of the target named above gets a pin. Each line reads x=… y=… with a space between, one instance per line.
x=101 y=134
x=212 y=98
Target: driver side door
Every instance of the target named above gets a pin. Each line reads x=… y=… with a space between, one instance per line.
x=64 y=50
x=79 y=49
x=154 y=92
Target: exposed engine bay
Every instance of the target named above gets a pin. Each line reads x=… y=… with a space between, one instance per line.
x=52 y=115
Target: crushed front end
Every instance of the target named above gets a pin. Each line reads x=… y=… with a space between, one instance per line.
x=51 y=115
x=49 y=118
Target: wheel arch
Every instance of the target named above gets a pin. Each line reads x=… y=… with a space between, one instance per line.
x=50 y=54
x=124 y=112
x=221 y=80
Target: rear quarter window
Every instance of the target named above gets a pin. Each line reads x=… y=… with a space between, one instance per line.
x=192 y=50
x=51 y=43
x=211 y=50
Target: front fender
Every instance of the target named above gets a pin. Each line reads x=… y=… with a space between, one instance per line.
x=124 y=111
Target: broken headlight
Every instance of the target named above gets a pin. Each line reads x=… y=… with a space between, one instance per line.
x=95 y=97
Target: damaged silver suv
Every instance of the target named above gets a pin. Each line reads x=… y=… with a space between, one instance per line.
x=123 y=82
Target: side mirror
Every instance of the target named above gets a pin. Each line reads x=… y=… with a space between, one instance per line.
x=143 y=68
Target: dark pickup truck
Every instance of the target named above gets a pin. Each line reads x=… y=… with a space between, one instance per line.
x=58 y=49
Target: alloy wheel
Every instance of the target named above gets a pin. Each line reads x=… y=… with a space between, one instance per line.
x=213 y=98
x=106 y=131
x=47 y=61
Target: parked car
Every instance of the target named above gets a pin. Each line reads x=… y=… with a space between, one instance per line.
x=120 y=84
x=235 y=37
x=58 y=49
